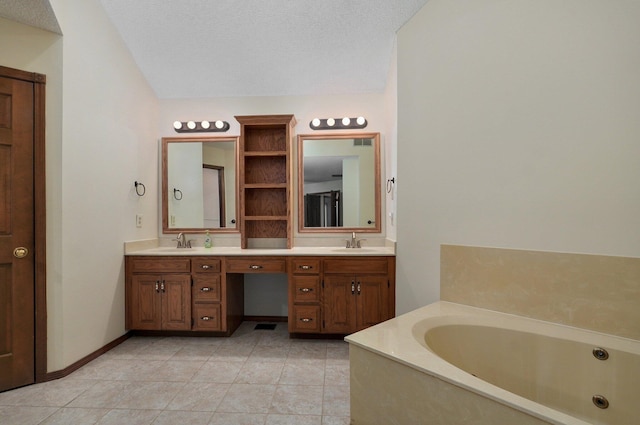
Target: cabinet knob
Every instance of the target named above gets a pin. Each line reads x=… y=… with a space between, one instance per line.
x=306 y=290
x=255 y=267
x=206 y=318
x=305 y=267
x=206 y=289
x=306 y=319
x=206 y=267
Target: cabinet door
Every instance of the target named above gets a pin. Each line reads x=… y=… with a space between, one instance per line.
x=371 y=300
x=176 y=302
x=339 y=308
x=145 y=305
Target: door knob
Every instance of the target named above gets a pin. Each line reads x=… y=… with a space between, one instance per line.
x=20 y=252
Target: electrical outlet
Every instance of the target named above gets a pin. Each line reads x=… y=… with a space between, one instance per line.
x=138 y=220
x=172 y=221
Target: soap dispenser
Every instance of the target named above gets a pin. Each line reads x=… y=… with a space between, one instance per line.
x=208 y=243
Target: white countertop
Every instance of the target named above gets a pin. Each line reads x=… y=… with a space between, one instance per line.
x=234 y=251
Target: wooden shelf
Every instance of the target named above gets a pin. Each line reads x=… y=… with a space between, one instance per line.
x=266 y=200
x=265 y=185
x=265 y=153
x=265 y=218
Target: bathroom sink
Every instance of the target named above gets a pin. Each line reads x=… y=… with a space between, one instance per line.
x=354 y=250
x=172 y=250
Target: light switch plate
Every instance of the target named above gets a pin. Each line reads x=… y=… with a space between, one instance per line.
x=138 y=220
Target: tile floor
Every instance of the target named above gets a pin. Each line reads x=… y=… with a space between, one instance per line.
x=254 y=377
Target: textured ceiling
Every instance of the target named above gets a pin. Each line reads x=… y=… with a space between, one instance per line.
x=212 y=48
x=36 y=13
x=205 y=48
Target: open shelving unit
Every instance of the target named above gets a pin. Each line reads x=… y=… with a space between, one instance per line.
x=265 y=180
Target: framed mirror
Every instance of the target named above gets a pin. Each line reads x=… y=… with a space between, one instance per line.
x=339 y=183
x=199 y=184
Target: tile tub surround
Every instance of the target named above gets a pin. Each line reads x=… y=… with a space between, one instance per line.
x=259 y=377
x=596 y=292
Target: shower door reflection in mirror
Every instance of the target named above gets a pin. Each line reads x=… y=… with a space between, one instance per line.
x=339 y=182
x=199 y=190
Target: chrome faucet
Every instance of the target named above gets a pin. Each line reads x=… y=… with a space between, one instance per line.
x=182 y=241
x=354 y=242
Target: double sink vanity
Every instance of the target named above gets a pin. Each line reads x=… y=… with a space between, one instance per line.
x=244 y=185
x=330 y=291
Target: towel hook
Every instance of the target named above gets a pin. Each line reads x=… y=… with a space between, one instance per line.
x=390 y=183
x=140 y=192
x=177 y=194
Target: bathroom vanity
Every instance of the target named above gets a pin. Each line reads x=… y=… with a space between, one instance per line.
x=330 y=290
x=201 y=290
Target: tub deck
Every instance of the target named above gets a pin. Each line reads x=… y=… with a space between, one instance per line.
x=397 y=378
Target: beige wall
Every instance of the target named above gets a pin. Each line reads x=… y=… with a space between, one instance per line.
x=109 y=135
x=517 y=128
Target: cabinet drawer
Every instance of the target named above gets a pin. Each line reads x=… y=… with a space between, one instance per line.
x=160 y=265
x=256 y=265
x=305 y=266
x=306 y=318
x=206 y=317
x=356 y=265
x=206 y=287
x=205 y=265
x=306 y=289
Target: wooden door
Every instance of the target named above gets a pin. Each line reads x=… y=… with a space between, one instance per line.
x=146 y=308
x=371 y=300
x=339 y=308
x=17 y=260
x=176 y=302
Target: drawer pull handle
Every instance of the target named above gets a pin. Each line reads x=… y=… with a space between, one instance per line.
x=206 y=318
x=306 y=319
x=157 y=286
x=305 y=267
x=162 y=286
x=305 y=290
x=255 y=267
x=206 y=289
x=206 y=266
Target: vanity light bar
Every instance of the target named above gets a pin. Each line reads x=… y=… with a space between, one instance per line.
x=200 y=126
x=338 y=123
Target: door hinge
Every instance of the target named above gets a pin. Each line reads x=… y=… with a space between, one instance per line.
x=191 y=280
x=192 y=322
x=322 y=283
x=323 y=325
x=388 y=283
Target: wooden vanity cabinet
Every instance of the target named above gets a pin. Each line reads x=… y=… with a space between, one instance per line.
x=326 y=295
x=206 y=294
x=357 y=293
x=304 y=295
x=158 y=293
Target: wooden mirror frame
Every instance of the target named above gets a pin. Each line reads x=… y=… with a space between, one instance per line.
x=377 y=227
x=165 y=187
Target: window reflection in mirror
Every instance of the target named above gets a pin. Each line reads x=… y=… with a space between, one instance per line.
x=339 y=182
x=199 y=190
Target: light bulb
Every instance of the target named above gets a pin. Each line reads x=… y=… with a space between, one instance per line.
x=177 y=125
x=360 y=120
x=191 y=125
x=315 y=122
x=219 y=124
x=205 y=124
x=346 y=121
x=331 y=122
